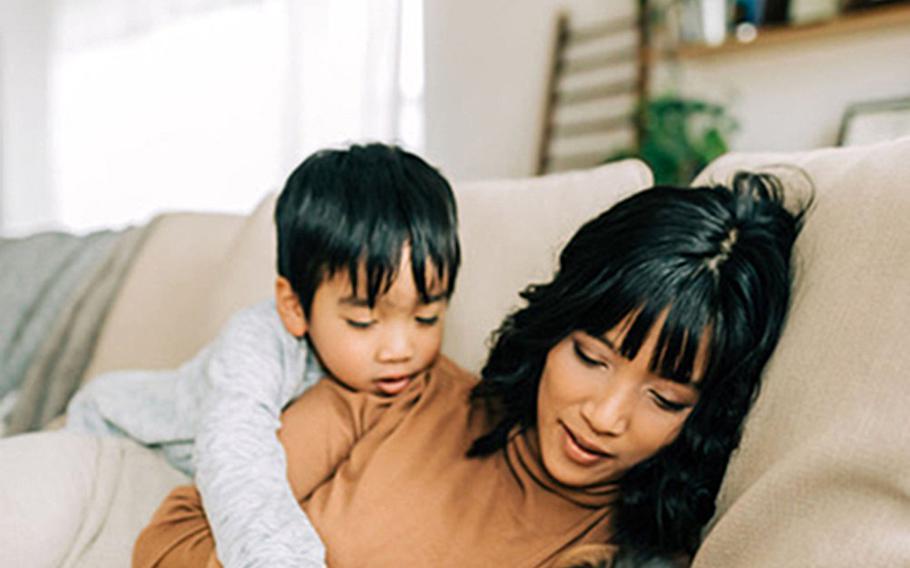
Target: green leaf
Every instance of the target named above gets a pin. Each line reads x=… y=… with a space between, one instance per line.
x=681 y=136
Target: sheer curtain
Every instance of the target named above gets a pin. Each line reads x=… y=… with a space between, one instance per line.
x=207 y=104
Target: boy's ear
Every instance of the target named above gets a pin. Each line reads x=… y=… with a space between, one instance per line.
x=289 y=308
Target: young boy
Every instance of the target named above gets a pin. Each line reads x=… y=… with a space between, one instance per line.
x=368 y=254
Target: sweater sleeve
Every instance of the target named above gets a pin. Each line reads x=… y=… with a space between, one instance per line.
x=180 y=532
x=255 y=369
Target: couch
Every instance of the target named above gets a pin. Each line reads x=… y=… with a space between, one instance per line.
x=822 y=477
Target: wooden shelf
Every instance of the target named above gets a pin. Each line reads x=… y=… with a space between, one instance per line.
x=875 y=18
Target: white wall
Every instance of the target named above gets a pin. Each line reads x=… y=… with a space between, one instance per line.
x=487 y=64
x=25 y=188
x=485 y=74
x=792 y=97
x=487 y=67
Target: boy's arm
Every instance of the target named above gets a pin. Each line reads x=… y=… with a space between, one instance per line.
x=179 y=533
x=254 y=370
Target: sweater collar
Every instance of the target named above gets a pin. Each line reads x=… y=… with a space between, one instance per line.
x=524 y=456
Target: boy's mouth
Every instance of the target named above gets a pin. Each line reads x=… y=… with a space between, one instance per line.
x=392 y=386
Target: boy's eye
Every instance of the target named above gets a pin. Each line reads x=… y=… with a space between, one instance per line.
x=585 y=358
x=356 y=324
x=431 y=320
x=667 y=404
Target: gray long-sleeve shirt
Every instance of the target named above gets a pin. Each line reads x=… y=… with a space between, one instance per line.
x=216 y=418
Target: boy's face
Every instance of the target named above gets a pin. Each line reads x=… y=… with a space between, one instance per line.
x=378 y=350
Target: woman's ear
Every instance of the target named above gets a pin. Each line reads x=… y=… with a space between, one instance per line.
x=289 y=308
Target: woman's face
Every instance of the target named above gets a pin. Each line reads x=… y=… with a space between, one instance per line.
x=599 y=414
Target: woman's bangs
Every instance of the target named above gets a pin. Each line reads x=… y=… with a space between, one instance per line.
x=684 y=317
x=684 y=336
x=617 y=304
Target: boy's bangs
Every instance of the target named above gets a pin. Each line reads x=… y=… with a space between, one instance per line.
x=380 y=267
x=434 y=261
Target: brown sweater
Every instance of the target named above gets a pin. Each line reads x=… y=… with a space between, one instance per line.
x=388 y=484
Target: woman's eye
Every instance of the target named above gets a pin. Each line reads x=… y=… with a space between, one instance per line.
x=427 y=320
x=667 y=404
x=585 y=358
x=356 y=324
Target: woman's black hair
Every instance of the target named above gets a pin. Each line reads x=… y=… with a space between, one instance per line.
x=355 y=209
x=717 y=261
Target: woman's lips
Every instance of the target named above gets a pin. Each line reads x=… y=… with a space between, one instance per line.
x=393 y=385
x=581 y=452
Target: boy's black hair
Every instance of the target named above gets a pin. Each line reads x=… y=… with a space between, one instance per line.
x=357 y=208
x=717 y=261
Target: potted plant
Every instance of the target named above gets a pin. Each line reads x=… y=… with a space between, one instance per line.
x=680 y=136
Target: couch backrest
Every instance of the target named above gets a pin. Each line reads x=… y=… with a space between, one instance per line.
x=823 y=474
x=197 y=269
x=156 y=318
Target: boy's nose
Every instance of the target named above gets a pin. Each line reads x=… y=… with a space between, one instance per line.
x=396 y=347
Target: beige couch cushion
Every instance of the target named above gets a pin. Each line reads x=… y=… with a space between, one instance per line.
x=68 y=500
x=511 y=234
x=246 y=273
x=195 y=270
x=823 y=474
x=156 y=320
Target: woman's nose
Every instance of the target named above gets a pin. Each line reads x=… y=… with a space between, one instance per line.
x=396 y=345
x=610 y=412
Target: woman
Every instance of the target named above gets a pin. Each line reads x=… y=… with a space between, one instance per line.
x=606 y=416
